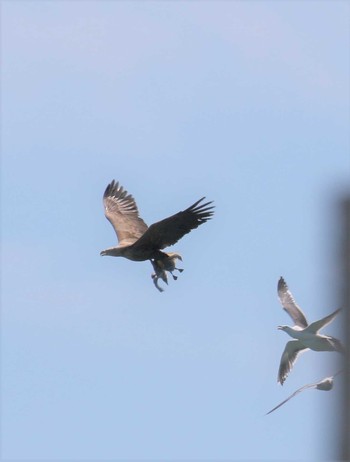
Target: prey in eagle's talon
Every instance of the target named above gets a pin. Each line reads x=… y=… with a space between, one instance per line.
x=162 y=276
x=161 y=266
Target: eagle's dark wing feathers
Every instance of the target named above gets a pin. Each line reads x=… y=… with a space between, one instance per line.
x=168 y=231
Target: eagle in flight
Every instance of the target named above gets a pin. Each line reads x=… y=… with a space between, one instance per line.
x=138 y=242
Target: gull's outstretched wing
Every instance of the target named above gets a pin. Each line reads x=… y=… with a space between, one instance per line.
x=292 y=350
x=289 y=305
x=168 y=231
x=336 y=344
x=121 y=210
x=311 y=385
x=326 y=384
x=317 y=325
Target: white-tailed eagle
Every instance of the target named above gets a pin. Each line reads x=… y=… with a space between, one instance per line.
x=138 y=242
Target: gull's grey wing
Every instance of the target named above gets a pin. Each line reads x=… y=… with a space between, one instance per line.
x=311 y=385
x=291 y=351
x=337 y=345
x=317 y=325
x=168 y=231
x=289 y=305
x=325 y=384
x=121 y=210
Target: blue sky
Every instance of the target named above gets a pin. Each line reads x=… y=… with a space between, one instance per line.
x=246 y=103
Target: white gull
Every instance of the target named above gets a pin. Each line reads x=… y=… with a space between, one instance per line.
x=325 y=384
x=306 y=335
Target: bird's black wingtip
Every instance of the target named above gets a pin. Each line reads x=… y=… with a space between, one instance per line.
x=112 y=186
x=281 y=284
x=204 y=211
x=115 y=189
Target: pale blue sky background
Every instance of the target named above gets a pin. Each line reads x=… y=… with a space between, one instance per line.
x=246 y=103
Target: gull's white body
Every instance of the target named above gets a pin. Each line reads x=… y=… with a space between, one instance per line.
x=306 y=335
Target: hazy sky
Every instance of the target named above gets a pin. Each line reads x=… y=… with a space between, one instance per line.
x=246 y=103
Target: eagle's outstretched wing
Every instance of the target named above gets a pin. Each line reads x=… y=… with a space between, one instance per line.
x=121 y=210
x=168 y=231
